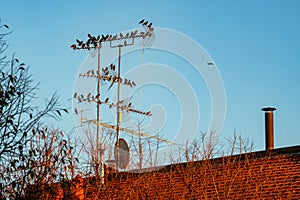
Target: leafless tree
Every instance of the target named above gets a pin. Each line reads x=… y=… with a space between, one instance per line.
x=20 y=123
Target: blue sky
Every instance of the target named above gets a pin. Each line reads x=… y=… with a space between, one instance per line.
x=255 y=45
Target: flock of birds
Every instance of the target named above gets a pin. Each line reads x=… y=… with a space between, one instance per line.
x=109 y=75
x=95 y=42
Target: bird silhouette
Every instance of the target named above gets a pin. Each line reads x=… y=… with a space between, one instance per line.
x=151 y=29
x=129 y=105
x=104 y=70
x=150 y=25
x=113 y=81
x=115 y=37
x=121 y=35
x=98 y=37
x=92 y=72
x=112 y=67
x=210 y=63
x=133 y=83
x=129 y=83
x=6 y=26
x=89 y=95
x=145 y=23
x=75 y=95
x=125 y=43
x=125 y=81
x=106 y=100
x=90 y=36
x=76 y=112
x=73 y=46
x=127 y=35
x=88 y=72
x=142 y=21
x=97 y=96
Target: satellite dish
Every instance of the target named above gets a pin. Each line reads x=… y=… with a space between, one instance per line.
x=123 y=158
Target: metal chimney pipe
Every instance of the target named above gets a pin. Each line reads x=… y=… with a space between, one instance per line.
x=269 y=127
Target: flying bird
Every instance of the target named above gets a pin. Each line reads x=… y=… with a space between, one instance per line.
x=6 y=26
x=142 y=21
x=210 y=63
x=145 y=23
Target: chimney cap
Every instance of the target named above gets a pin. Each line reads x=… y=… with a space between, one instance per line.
x=268 y=109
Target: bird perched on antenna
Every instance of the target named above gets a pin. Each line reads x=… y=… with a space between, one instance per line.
x=142 y=21
x=145 y=23
x=73 y=46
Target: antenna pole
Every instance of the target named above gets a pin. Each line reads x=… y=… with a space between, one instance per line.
x=99 y=154
x=118 y=105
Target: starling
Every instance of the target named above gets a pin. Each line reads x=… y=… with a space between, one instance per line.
x=90 y=36
x=73 y=46
x=133 y=83
x=142 y=21
x=145 y=23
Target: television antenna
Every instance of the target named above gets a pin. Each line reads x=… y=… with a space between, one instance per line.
x=112 y=75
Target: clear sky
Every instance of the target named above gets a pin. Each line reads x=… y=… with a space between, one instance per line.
x=254 y=44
